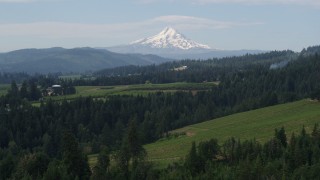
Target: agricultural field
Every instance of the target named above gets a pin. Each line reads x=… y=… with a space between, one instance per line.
x=76 y=77
x=4 y=89
x=259 y=124
x=71 y=77
x=92 y=160
x=139 y=89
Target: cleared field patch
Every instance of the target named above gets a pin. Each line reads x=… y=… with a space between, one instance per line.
x=4 y=89
x=72 y=77
x=139 y=89
x=92 y=160
x=259 y=124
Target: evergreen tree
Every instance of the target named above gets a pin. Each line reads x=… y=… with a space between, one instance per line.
x=192 y=160
x=56 y=170
x=34 y=92
x=207 y=151
x=7 y=166
x=316 y=95
x=281 y=136
x=73 y=158
x=123 y=159
x=24 y=90
x=101 y=170
x=103 y=159
x=131 y=150
x=137 y=152
x=13 y=91
x=33 y=165
x=316 y=133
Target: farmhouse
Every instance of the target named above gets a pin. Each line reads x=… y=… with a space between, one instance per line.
x=54 y=90
x=182 y=68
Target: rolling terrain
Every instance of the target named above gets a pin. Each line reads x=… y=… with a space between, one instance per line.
x=54 y=60
x=259 y=123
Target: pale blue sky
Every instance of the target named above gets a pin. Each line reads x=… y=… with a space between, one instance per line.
x=223 y=24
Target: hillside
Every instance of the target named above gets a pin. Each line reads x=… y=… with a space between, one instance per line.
x=259 y=123
x=70 y=60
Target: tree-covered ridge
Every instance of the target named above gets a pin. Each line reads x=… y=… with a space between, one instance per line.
x=196 y=70
x=236 y=62
x=54 y=60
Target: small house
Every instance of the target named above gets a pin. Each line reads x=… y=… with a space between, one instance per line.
x=54 y=90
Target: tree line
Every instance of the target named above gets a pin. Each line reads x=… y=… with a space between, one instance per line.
x=197 y=70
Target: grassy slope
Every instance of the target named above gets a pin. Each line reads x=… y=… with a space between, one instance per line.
x=258 y=123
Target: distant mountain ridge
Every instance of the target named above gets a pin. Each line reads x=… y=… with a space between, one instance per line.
x=170 y=43
x=70 y=60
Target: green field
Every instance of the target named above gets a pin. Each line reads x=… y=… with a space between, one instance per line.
x=92 y=160
x=259 y=124
x=4 y=89
x=139 y=89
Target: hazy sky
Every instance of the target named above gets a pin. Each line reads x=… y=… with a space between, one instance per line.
x=223 y=24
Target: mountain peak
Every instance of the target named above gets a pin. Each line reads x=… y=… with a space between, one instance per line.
x=168 y=31
x=170 y=38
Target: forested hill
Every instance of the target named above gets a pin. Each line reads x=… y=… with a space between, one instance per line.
x=273 y=59
x=236 y=62
x=189 y=70
x=55 y=60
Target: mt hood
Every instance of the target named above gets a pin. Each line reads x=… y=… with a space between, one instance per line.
x=169 y=43
x=169 y=38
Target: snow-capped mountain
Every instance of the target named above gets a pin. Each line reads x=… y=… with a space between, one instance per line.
x=169 y=43
x=169 y=38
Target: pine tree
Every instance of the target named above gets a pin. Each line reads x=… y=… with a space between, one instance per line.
x=24 y=90
x=101 y=170
x=56 y=170
x=135 y=147
x=123 y=159
x=73 y=159
x=281 y=136
x=207 y=151
x=192 y=160
x=14 y=91
x=316 y=133
x=131 y=150
x=104 y=159
x=34 y=93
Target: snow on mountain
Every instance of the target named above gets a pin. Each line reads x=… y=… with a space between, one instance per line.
x=170 y=38
x=169 y=43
